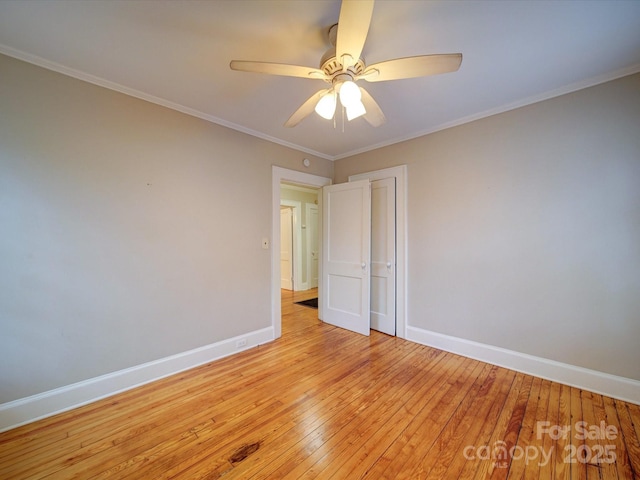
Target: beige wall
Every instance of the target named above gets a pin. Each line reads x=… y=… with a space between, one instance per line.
x=524 y=228
x=124 y=235
x=129 y=232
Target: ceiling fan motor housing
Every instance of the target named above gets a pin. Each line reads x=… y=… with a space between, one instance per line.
x=332 y=66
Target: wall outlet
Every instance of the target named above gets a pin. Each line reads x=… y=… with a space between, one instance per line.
x=241 y=343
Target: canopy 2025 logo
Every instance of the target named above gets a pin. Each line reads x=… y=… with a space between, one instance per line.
x=583 y=453
x=579 y=452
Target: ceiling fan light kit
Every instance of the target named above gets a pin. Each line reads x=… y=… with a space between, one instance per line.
x=350 y=98
x=342 y=66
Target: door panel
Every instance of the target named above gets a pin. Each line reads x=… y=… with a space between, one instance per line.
x=346 y=253
x=383 y=255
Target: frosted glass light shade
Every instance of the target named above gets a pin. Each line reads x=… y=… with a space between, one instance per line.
x=326 y=106
x=349 y=94
x=355 y=110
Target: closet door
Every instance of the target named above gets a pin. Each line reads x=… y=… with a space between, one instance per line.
x=346 y=254
x=383 y=255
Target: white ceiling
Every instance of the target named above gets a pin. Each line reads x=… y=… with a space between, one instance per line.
x=177 y=53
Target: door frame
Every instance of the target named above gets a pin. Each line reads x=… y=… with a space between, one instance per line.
x=400 y=174
x=279 y=175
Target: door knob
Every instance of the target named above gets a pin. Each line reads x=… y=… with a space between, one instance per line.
x=388 y=265
x=364 y=266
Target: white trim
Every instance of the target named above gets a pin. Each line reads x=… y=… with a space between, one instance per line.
x=278 y=176
x=400 y=174
x=599 y=382
x=573 y=87
x=42 y=405
x=86 y=77
x=71 y=72
x=297 y=242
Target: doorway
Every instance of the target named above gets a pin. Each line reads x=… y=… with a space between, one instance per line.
x=280 y=175
x=302 y=201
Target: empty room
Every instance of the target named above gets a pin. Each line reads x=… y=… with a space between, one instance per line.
x=319 y=239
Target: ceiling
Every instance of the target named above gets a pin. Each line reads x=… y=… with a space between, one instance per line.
x=177 y=53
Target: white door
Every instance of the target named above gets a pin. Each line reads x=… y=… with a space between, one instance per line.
x=312 y=245
x=346 y=253
x=286 y=248
x=383 y=255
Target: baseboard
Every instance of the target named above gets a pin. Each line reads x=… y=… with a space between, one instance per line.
x=46 y=404
x=598 y=382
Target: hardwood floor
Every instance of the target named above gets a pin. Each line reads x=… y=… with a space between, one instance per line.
x=321 y=402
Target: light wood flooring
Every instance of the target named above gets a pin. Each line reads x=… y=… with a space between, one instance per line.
x=321 y=402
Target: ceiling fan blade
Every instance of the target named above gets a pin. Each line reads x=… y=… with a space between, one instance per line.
x=278 y=69
x=306 y=108
x=411 y=67
x=374 y=114
x=353 y=26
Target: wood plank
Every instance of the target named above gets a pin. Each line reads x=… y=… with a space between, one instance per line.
x=634 y=415
x=549 y=443
x=509 y=442
x=600 y=455
x=630 y=437
x=527 y=431
x=532 y=468
x=509 y=414
x=583 y=455
x=615 y=442
x=578 y=469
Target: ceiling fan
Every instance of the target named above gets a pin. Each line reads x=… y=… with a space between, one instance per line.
x=342 y=66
